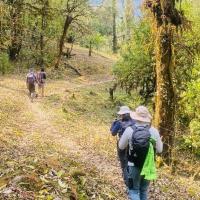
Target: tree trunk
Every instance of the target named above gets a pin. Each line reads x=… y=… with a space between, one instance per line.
x=129 y=17
x=43 y=28
x=1 y=31
x=114 y=12
x=16 y=31
x=90 y=49
x=165 y=94
x=68 y=21
x=165 y=97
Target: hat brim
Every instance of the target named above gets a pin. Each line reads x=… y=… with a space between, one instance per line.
x=137 y=117
x=123 y=112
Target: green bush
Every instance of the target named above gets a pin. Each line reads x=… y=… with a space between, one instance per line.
x=132 y=100
x=190 y=102
x=135 y=69
x=5 y=65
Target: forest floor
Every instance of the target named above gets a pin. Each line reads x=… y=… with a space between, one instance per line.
x=59 y=146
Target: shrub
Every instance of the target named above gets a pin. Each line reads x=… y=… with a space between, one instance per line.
x=5 y=65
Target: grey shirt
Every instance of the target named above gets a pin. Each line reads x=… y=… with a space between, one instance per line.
x=127 y=135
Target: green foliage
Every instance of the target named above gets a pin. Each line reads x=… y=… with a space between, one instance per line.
x=5 y=65
x=102 y=20
x=135 y=69
x=99 y=28
x=192 y=141
x=96 y=40
x=188 y=81
x=132 y=100
x=190 y=102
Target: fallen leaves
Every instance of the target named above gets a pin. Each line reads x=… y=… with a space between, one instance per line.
x=48 y=154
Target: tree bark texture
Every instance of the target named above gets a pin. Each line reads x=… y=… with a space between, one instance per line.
x=114 y=12
x=68 y=21
x=165 y=95
x=16 y=30
x=44 y=13
x=90 y=49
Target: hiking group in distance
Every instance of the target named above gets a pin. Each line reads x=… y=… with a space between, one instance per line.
x=137 y=144
x=32 y=79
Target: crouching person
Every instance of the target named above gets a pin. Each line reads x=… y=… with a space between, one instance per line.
x=142 y=140
x=117 y=129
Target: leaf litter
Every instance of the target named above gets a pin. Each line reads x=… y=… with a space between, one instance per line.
x=45 y=155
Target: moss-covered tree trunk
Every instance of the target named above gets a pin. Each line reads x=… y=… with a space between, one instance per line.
x=167 y=18
x=165 y=97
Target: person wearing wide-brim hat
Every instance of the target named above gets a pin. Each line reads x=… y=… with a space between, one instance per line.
x=139 y=186
x=117 y=128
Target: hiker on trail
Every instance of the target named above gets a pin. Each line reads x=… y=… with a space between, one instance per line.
x=117 y=128
x=41 y=77
x=143 y=140
x=31 y=80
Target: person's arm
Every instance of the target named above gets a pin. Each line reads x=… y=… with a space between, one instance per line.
x=37 y=76
x=123 y=142
x=45 y=76
x=115 y=128
x=27 y=80
x=159 y=144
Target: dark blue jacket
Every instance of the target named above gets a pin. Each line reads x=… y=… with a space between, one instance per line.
x=119 y=126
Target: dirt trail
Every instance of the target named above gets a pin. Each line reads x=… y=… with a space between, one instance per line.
x=69 y=147
x=45 y=130
x=43 y=127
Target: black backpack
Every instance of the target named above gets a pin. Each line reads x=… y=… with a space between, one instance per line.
x=31 y=79
x=140 y=145
x=41 y=77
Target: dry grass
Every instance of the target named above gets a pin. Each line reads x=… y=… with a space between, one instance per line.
x=36 y=153
x=60 y=146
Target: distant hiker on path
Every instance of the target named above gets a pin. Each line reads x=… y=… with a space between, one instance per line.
x=31 y=80
x=41 y=77
x=141 y=138
x=118 y=127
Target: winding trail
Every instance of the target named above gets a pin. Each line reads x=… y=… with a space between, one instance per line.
x=45 y=125
x=46 y=128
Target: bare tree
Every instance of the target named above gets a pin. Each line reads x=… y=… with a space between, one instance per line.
x=75 y=12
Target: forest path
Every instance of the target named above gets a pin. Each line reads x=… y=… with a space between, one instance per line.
x=67 y=130
x=44 y=123
x=48 y=129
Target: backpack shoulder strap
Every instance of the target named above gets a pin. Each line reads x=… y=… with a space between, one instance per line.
x=133 y=127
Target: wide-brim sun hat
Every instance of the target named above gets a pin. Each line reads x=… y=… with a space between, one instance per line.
x=141 y=114
x=124 y=110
